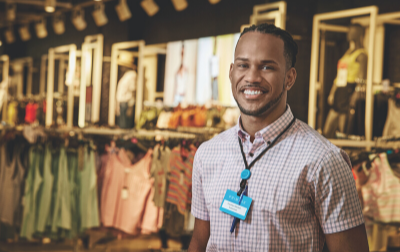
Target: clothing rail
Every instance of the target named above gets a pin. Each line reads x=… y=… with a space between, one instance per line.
x=122 y=133
x=377 y=143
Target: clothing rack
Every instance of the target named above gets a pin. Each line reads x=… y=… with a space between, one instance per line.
x=381 y=142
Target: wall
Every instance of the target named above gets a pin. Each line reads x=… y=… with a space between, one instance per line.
x=200 y=19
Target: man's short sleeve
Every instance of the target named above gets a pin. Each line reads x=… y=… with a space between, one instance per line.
x=337 y=205
x=199 y=207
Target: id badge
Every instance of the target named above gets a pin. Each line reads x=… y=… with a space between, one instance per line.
x=230 y=205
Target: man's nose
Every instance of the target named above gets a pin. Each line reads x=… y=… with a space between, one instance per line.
x=253 y=75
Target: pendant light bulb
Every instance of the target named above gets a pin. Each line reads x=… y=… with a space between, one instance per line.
x=50 y=6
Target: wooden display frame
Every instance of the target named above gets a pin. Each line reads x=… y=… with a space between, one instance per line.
x=6 y=66
x=72 y=54
x=116 y=49
x=318 y=55
x=272 y=11
x=92 y=49
x=27 y=61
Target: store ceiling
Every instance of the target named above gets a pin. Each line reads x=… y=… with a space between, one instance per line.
x=31 y=10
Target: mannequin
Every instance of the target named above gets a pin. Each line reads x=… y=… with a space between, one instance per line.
x=351 y=71
x=181 y=78
x=125 y=95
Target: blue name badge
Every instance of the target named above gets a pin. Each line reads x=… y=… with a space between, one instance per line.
x=230 y=205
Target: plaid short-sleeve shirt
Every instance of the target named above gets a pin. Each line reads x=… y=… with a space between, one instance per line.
x=302 y=188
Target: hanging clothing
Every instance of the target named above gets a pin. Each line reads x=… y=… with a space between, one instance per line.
x=159 y=171
x=33 y=183
x=11 y=179
x=44 y=195
x=180 y=180
x=381 y=193
x=61 y=218
x=112 y=184
x=74 y=186
x=392 y=124
x=88 y=192
x=136 y=211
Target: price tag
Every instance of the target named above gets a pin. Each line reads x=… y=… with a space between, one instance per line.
x=125 y=193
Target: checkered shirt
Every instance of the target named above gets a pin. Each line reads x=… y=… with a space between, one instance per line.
x=302 y=188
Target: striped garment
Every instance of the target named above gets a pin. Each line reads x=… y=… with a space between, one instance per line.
x=180 y=179
x=381 y=193
x=302 y=188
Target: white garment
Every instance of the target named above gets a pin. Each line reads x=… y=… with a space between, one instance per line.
x=181 y=82
x=214 y=63
x=126 y=86
x=392 y=124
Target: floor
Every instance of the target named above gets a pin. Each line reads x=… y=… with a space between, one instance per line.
x=142 y=243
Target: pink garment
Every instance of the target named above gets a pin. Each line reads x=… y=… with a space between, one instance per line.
x=136 y=211
x=112 y=184
x=381 y=193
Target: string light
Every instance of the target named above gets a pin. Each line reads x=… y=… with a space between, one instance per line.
x=150 y=7
x=123 y=11
x=180 y=5
x=50 y=6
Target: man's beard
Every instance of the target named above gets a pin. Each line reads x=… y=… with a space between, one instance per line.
x=263 y=109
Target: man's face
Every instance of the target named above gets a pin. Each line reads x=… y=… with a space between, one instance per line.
x=258 y=73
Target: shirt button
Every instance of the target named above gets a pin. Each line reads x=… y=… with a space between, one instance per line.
x=269 y=142
x=251 y=154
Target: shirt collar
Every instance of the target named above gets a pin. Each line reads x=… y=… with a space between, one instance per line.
x=270 y=132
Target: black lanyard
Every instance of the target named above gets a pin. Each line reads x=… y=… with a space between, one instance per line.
x=248 y=167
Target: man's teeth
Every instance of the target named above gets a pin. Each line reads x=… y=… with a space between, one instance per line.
x=252 y=92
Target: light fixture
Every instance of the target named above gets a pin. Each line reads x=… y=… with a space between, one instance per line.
x=180 y=5
x=11 y=12
x=214 y=1
x=24 y=33
x=150 y=7
x=99 y=15
x=123 y=11
x=50 y=5
x=58 y=24
x=78 y=19
x=40 y=27
x=1 y=42
x=9 y=35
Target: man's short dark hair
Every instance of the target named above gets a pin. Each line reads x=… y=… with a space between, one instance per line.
x=290 y=47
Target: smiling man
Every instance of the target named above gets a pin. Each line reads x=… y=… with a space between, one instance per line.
x=271 y=183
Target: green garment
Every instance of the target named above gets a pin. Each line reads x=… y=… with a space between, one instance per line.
x=74 y=189
x=62 y=207
x=88 y=192
x=32 y=185
x=44 y=196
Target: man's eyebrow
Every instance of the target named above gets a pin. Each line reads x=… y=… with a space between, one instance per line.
x=262 y=61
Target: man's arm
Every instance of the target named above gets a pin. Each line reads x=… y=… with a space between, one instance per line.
x=201 y=234
x=354 y=239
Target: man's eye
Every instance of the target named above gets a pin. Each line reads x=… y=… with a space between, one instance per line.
x=266 y=68
x=242 y=65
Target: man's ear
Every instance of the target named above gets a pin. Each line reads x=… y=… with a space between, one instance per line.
x=230 y=72
x=291 y=75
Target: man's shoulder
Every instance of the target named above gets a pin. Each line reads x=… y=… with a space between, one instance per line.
x=219 y=142
x=312 y=140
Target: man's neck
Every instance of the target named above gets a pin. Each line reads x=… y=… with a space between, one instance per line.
x=252 y=124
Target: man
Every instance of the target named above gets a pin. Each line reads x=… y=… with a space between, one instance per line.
x=302 y=189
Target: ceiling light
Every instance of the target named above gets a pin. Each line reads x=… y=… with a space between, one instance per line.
x=58 y=24
x=180 y=5
x=40 y=27
x=99 y=15
x=9 y=35
x=214 y=1
x=78 y=19
x=1 y=43
x=24 y=33
x=123 y=11
x=11 y=12
x=150 y=7
x=50 y=5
